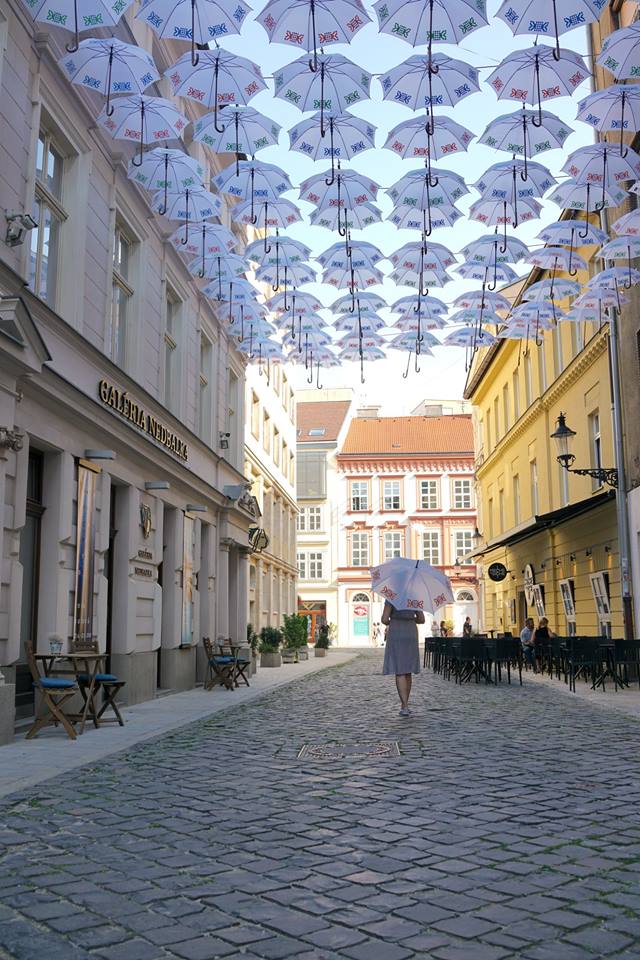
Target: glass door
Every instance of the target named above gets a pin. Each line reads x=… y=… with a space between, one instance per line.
x=30 y=560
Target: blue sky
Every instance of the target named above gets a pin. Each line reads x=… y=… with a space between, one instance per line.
x=443 y=374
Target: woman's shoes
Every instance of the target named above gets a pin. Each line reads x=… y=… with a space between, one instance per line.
x=405 y=712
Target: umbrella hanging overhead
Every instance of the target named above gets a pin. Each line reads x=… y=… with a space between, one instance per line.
x=243 y=130
x=411 y=139
x=415 y=257
x=367 y=302
x=430 y=306
x=538 y=74
x=620 y=52
x=495 y=212
x=77 y=15
x=517 y=179
x=629 y=224
x=191 y=205
x=206 y=239
x=298 y=301
x=548 y=17
x=438 y=214
x=579 y=196
x=355 y=324
x=517 y=133
x=476 y=298
x=167 y=170
x=337 y=84
x=467 y=337
x=222 y=268
x=549 y=290
x=218 y=79
x=418 y=191
x=615 y=108
x=601 y=163
x=557 y=258
x=565 y=233
x=345 y=137
x=440 y=21
x=278 y=214
x=615 y=277
x=352 y=278
x=360 y=254
x=333 y=218
x=502 y=273
x=110 y=67
x=413 y=84
x=198 y=21
x=620 y=248
x=309 y=24
x=349 y=190
x=296 y=274
x=282 y=250
x=254 y=181
x=142 y=120
x=600 y=298
x=488 y=249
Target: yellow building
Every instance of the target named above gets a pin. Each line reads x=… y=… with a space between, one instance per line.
x=555 y=532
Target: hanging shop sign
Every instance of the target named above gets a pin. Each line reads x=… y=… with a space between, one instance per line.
x=497 y=572
x=529 y=583
x=120 y=401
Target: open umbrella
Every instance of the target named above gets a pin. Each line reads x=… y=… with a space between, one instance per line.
x=411 y=139
x=496 y=212
x=82 y=14
x=278 y=213
x=295 y=275
x=418 y=191
x=492 y=251
x=550 y=290
x=333 y=218
x=281 y=253
x=142 y=120
x=198 y=21
x=191 y=205
x=110 y=67
x=352 y=278
x=345 y=137
x=347 y=189
x=253 y=181
x=578 y=196
x=206 y=239
x=411 y=304
x=620 y=52
x=168 y=170
x=542 y=17
x=242 y=130
x=335 y=85
x=367 y=302
x=411 y=584
x=628 y=224
x=515 y=178
x=309 y=24
x=565 y=233
x=502 y=273
x=555 y=259
x=221 y=268
x=615 y=277
x=516 y=133
x=537 y=74
x=443 y=21
x=414 y=85
x=360 y=254
x=439 y=214
x=476 y=298
x=614 y=108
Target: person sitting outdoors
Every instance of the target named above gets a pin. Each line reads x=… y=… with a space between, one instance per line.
x=526 y=640
x=467 y=629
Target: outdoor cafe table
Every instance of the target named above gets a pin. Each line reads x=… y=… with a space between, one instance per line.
x=81 y=664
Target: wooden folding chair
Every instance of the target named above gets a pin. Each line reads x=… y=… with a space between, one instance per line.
x=54 y=692
x=110 y=686
x=228 y=649
x=220 y=667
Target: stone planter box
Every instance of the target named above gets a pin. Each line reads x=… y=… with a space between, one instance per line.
x=254 y=667
x=288 y=656
x=319 y=652
x=270 y=660
x=303 y=653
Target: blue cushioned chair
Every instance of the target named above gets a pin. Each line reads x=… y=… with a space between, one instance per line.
x=54 y=692
x=220 y=668
x=110 y=686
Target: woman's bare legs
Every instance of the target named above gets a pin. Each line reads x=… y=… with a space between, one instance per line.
x=403 y=686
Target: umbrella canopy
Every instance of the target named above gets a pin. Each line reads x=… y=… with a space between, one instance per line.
x=110 y=67
x=526 y=132
x=476 y=315
x=540 y=311
x=615 y=108
x=615 y=276
x=468 y=337
x=543 y=18
x=335 y=85
x=419 y=321
x=355 y=324
x=255 y=181
x=167 y=170
x=556 y=289
x=439 y=214
x=142 y=120
x=367 y=302
x=500 y=273
x=557 y=258
x=600 y=163
x=414 y=257
x=236 y=130
x=566 y=232
x=430 y=306
x=295 y=275
x=298 y=301
x=629 y=224
x=206 y=239
x=495 y=301
x=218 y=78
x=598 y=298
x=582 y=196
x=488 y=249
x=620 y=52
x=77 y=15
x=421 y=82
x=620 y=248
x=343 y=137
x=197 y=21
x=411 y=138
x=355 y=219
x=284 y=250
x=278 y=213
x=445 y=21
x=346 y=189
x=515 y=179
x=536 y=74
x=221 y=267
x=309 y=25
x=360 y=254
x=189 y=205
x=494 y=212
x=352 y=278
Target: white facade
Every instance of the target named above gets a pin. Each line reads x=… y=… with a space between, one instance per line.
x=318 y=519
x=109 y=347
x=270 y=466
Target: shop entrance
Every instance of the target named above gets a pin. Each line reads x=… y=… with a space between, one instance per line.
x=360 y=617
x=30 y=561
x=316 y=614
x=523 y=613
x=109 y=569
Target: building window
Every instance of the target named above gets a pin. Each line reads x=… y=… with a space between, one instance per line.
x=276 y=446
x=542 y=365
x=516 y=499
x=359 y=494
x=600 y=591
x=501 y=515
x=172 y=338
x=462 y=544
x=317 y=432
x=577 y=338
x=516 y=394
x=558 y=363
x=506 y=409
x=266 y=432
x=567 y=592
x=121 y=295
x=462 y=494
x=391 y=495
x=528 y=381
x=255 y=415
x=429 y=494
x=496 y=419
x=310 y=519
x=533 y=479
x=312 y=475
x=232 y=407
x=392 y=544
x=487 y=421
x=595 y=442
x=204 y=394
x=359 y=549
x=431 y=547
x=490 y=516
x=50 y=215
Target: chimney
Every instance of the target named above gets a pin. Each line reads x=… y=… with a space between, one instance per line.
x=368 y=412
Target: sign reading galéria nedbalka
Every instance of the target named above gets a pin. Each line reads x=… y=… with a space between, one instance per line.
x=121 y=402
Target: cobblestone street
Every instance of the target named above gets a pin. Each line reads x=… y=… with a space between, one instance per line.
x=507 y=826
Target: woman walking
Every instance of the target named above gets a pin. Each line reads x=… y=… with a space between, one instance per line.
x=401 y=655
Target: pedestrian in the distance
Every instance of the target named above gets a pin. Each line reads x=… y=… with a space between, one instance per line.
x=526 y=641
x=375 y=634
x=435 y=629
x=443 y=629
x=467 y=629
x=540 y=638
x=401 y=654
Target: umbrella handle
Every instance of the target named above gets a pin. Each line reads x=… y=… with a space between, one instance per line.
x=134 y=162
x=572 y=271
x=318 y=384
x=215 y=97
x=433 y=181
x=415 y=366
x=267 y=249
x=623 y=150
x=277 y=283
x=406 y=373
x=163 y=208
x=601 y=203
x=628 y=283
x=585 y=233
x=322 y=126
x=556 y=50
x=195 y=56
x=537 y=121
x=503 y=245
x=254 y=215
x=109 y=107
x=427 y=233
x=330 y=182
x=186 y=222
x=361 y=367
x=310 y=378
x=300 y=333
x=73 y=47
x=492 y=286
x=313 y=64
x=236 y=121
x=342 y=231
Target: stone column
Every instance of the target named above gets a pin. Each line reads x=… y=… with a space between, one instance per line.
x=222 y=590
x=243 y=593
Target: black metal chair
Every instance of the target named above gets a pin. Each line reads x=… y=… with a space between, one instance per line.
x=625 y=662
x=584 y=659
x=504 y=650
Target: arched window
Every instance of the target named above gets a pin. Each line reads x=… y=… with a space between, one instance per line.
x=465 y=596
x=360 y=598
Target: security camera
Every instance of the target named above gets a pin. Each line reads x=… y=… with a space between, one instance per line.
x=17 y=225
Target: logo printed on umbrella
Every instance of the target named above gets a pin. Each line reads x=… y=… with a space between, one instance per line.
x=388 y=592
x=354 y=23
x=415 y=604
x=440 y=600
x=328 y=37
x=292 y=37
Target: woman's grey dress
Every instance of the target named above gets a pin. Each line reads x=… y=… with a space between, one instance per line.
x=401 y=653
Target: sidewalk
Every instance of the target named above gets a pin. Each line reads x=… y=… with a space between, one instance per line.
x=626 y=701
x=25 y=763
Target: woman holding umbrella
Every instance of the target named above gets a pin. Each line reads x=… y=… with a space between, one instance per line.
x=401 y=654
x=410 y=588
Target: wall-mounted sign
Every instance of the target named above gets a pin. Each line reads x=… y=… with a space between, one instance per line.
x=258 y=539
x=144 y=572
x=121 y=402
x=529 y=583
x=497 y=572
x=145 y=519
x=360 y=611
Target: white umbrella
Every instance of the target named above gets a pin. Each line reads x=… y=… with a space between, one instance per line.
x=577 y=196
x=557 y=258
x=543 y=18
x=620 y=52
x=476 y=298
x=83 y=14
x=254 y=181
x=368 y=303
x=142 y=120
x=344 y=137
x=441 y=21
x=522 y=134
x=333 y=218
x=412 y=304
x=629 y=224
x=439 y=214
x=167 y=170
x=206 y=239
x=502 y=273
x=278 y=213
x=198 y=21
x=242 y=130
x=419 y=82
x=218 y=79
x=334 y=86
x=565 y=232
x=551 y=289
x=439 y=137
x=110 y=67
x=309 y=24
x=614 y=108
x=190 y=205
x=536 y=74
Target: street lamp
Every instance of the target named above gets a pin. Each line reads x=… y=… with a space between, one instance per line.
x=563 y=436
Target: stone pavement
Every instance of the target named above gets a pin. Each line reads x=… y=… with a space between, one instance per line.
x=507 y=826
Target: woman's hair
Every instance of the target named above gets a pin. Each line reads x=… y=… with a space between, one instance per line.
x=543 y=621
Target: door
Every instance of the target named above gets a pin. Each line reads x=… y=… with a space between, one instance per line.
x=109 y=569
x=360 y=617
x=30 y=560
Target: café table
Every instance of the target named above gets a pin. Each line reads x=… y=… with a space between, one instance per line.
x=83 y=663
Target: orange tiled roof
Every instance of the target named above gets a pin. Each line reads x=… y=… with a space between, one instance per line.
x=399 y=436
x=328 y=416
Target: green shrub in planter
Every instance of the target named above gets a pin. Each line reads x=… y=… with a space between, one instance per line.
x=270 y=640
x=323 y=642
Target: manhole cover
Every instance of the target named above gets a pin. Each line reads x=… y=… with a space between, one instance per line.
x=349 y=751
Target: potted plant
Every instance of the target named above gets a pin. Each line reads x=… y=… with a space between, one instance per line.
x=253 y=641
x=295 y=638
x=323 y=641
x=270 y=640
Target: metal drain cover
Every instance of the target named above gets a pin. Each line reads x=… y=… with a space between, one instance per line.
x=349 y=751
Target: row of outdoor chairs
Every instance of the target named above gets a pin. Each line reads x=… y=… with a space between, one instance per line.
x=225 y=666
x=593 y=659
x=474 y=658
